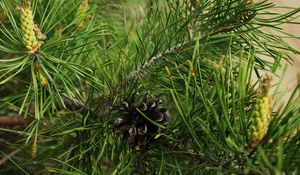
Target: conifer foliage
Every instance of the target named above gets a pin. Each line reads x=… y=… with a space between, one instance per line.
x=76 y=77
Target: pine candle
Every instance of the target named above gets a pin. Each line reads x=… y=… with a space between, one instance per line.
x=28 y=29
x=81 y=14
x=261 y=114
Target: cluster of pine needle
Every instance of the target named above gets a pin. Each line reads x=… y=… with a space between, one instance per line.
x=146 y=87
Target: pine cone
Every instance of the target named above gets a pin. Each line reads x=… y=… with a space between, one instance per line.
x=140 y=122
x=261 y=114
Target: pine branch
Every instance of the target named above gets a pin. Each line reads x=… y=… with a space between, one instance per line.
x=16 y=120
x=140 y=70
x=153 y=60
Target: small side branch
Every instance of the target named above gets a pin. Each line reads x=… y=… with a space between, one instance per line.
x=147 y=64
x=14 y=121
x=159 y=56
x=13 y=153
x=73 y=104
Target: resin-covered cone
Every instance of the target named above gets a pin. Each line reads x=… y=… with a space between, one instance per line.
x=141 y=121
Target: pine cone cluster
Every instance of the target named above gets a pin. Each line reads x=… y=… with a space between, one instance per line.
x=261 y=114
x=142 y=121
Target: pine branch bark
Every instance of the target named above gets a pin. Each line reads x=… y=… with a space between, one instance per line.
x=147 y=64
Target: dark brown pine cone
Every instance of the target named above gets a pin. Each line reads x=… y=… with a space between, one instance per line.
x=140 y=121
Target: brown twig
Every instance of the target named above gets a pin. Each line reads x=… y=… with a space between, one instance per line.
x=13 y=153
x=14 y=120
x=73 y=104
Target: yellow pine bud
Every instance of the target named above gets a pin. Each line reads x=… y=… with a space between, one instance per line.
x=81 y=14
x=84 y=6
x=2 y=16
x=33 y=150
x=27 y=27
x=261 y=114
x=43 y=80
x=58 y=32
x=191 y=69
